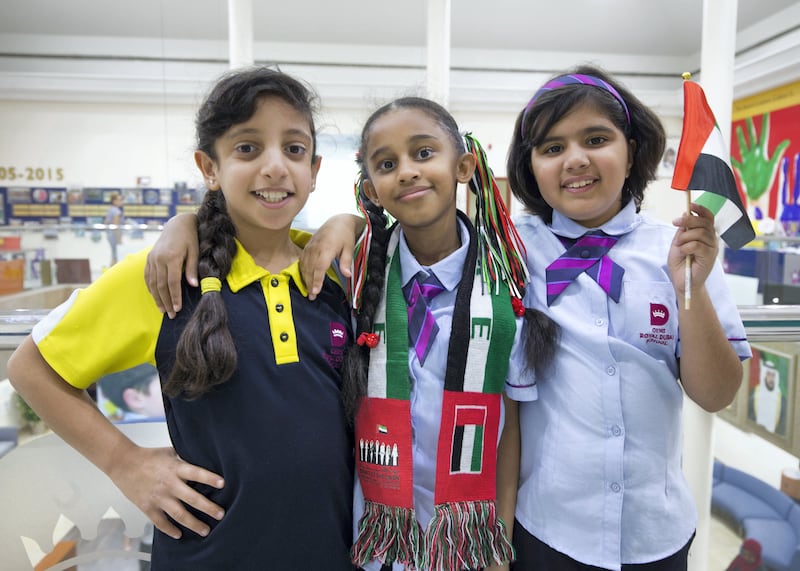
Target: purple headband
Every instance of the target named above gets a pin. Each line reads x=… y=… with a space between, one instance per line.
x=573 y=79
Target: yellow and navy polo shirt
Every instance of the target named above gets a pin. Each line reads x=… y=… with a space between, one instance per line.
x=276 y=431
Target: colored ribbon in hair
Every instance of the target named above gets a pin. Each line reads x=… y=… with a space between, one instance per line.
x=502 y=252
x=210 y=284
x=573 y=79
x=361 y=253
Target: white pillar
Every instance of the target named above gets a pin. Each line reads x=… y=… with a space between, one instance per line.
x=240 y=33
x=438 y=51
x=717 y=57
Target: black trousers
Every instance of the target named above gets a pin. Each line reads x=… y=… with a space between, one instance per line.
x=534 y=555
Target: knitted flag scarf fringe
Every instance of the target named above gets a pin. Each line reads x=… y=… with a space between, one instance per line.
x=465 y=532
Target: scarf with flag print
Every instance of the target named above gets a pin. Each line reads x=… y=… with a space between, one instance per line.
x=465 y=532
x=704 y=164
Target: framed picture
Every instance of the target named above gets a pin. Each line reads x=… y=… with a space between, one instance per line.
x=771 y=387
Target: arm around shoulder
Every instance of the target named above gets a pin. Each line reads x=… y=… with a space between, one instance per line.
x=335 y=239
x=176 y=250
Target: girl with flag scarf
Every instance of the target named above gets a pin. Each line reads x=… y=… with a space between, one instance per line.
x=437 y=446
x=601 y=484
x=434 y=507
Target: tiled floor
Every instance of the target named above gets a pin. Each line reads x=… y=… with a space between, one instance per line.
x=724 y=542
x=723 y=545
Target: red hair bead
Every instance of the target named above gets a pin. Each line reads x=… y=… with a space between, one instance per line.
x=517 y=306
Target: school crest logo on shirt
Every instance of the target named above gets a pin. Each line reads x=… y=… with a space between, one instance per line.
x=338 y=341
x=659 y=314
x=659 y=333
x=338 y=334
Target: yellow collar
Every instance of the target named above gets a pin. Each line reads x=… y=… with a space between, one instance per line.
x=244 y=270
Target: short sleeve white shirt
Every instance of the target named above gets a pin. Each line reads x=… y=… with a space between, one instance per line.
x=601 y=477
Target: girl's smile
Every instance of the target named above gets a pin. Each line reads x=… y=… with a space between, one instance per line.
x=413 y=173
x=581 y=166
x=413 y=193
x=272 y=197
x=265 y=168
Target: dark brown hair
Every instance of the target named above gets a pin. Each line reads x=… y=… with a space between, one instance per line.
x=540 y=333
x=644 y=129
x=206 y=355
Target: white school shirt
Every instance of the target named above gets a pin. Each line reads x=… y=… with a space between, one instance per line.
x=427 y=383
x=600 y=476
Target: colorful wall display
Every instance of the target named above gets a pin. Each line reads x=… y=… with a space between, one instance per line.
x=47 y=205
x=765 y=155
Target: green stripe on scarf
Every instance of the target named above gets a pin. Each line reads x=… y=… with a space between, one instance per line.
x=465 y=529
x=398 y=386
x=505 y=327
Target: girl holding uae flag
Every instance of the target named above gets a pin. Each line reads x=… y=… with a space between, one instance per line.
x=601 y=484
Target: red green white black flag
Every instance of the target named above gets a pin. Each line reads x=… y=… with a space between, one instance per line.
x=703 y=164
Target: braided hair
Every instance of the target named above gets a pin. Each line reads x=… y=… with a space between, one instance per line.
x=206 y=355
x=539 y=335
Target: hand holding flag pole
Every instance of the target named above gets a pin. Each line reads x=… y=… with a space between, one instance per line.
x=703 y=163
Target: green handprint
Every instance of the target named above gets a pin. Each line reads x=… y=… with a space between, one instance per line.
x=756 y=169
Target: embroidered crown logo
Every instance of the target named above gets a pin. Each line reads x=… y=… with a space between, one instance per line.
x=659 y=314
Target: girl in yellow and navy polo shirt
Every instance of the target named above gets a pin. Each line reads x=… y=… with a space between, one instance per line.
x=260 y=474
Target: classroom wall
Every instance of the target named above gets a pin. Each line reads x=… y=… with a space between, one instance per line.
x=112 y=145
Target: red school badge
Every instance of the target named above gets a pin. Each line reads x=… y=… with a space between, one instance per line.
x=467 y=454
x=383 y=451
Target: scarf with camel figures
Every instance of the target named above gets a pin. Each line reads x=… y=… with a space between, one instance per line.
x=465 y=532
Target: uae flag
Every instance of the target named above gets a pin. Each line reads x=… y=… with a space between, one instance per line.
x=467 y=455
x=703 y=163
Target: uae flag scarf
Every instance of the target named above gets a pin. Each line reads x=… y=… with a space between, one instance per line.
x=703 y=164
x=466 y=532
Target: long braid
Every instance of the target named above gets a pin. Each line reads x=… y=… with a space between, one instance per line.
x=206 y=354
x=356 y=360
x=503 y=259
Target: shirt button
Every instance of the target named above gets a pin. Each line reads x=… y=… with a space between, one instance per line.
x=584 y=254
x=284 y=337
x=615 y=487
x=616 y=430
x=274 y=282
x=599 y=321
x=610 y=370
x=279 y=307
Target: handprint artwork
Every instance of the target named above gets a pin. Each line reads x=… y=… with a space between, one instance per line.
x=756 y=168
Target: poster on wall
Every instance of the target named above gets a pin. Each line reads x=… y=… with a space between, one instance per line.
x=132 y=395
x=765 y=155
x=770 y=393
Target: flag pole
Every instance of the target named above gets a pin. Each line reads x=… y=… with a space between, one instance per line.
x=687 y=284
x=687 y=294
